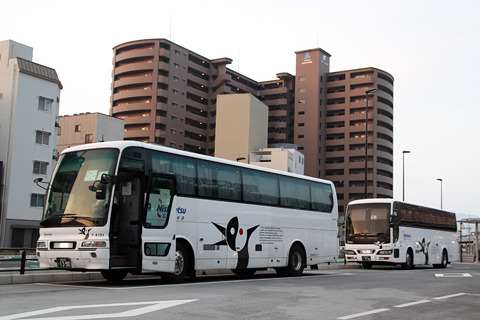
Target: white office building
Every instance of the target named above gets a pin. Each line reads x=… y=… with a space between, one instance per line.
x=29 y=106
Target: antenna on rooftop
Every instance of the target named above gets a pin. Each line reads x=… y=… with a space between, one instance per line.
x=170 y=37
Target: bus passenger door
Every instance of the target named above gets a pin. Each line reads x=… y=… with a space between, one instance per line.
x=159 y=227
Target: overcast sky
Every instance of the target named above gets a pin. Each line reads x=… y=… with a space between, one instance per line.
x=432 y=49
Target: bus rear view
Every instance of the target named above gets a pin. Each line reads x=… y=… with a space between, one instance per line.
x=384 y=231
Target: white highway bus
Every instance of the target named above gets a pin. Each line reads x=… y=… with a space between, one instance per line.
x=385 y=231
x=129 y=207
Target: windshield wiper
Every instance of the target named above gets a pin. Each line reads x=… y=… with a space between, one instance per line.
x=56 y=215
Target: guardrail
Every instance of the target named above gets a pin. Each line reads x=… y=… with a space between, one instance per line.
x=15 y=252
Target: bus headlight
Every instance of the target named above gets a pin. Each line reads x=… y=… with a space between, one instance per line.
x=93 y=244
x=385 y=252
x=41 y=244
x=350 y=252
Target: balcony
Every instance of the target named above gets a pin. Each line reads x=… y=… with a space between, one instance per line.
x=277 y=113
x=138 y=120
x=138 y=93
x=134 y=67
x=162 y=79
x=136 y=134
x=133 y=80
x=275 y=102
x=160 y=120
x=368 y=79
x=135 y=53
x=132 y=107
x=274 y=91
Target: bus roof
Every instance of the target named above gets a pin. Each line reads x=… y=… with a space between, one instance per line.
x=387 y=200
x=122 y=144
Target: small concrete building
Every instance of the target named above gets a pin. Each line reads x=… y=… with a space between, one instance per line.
x=241 y=126
x=284 y=157
x=87 y=128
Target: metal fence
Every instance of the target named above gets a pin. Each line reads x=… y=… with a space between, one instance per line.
x=20 y=254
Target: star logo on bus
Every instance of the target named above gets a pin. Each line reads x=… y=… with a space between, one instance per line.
x=237 y=239
x=85 y=232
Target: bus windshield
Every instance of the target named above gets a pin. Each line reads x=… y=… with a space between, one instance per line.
x=70 y=201
x=368 y=223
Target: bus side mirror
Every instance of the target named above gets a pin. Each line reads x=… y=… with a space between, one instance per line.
x=101 y=192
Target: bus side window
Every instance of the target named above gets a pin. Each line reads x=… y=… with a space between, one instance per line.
x=159 y=202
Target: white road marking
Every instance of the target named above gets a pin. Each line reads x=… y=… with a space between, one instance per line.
x=450 y=296
x=412 y=303
x=152 y=306
x=357 y=315
x=453 y=275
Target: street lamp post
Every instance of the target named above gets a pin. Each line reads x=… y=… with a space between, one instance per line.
x=404 y=173
x=441 y=193
x=367 y=92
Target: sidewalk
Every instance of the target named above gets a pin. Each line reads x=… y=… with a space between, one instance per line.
x=35 y=275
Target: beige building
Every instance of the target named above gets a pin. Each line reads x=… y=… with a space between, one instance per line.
x=241 y=126
x=87 y=128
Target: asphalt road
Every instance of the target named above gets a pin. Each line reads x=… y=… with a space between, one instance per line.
x=378 y=293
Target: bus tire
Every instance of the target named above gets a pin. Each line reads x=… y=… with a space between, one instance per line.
x=244 y=272
x=114 y=275
x=296 y=262
x=366 y=265
x=182 y=261
x=444 y=261
x=408 y=260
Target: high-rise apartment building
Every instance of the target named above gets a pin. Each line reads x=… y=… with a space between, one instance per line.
x=167 y=94
x=29 y=105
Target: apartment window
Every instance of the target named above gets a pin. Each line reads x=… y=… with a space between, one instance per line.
x=301 y=136
x=174 y=118
x=303 y=78
x=321 y=78
x=175 y=79
x=320 y=138
x=59 y=131
x=300 y=113
x=173 y=131
x=175 y=91
x=78 y=128
x=301 y=124
x=301 y=101
x=176 y=65
x=174 y=105
x=40 y=167
x=45 y=104
x=42 y=138
x=177 y=53
x=300 y=148
x=301 y=90
x=36 y=200
x=172 y=144
x=89 y=138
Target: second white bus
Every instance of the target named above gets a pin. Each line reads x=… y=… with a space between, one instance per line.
x=385 y=231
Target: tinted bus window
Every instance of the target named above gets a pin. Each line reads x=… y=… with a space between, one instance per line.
x=182 y=168
x=219 y=181
x=294 y=193
x=260 y=187
x=322 y=197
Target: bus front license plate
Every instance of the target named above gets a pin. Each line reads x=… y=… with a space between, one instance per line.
x=366 y=259
x=64 y=263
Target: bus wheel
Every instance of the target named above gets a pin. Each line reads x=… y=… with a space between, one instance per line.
x=244 y=272
x=114 y=275
x=444 y=262
x=181 y=266
x=408 y=261
x=366 y=265
x=296 y=262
